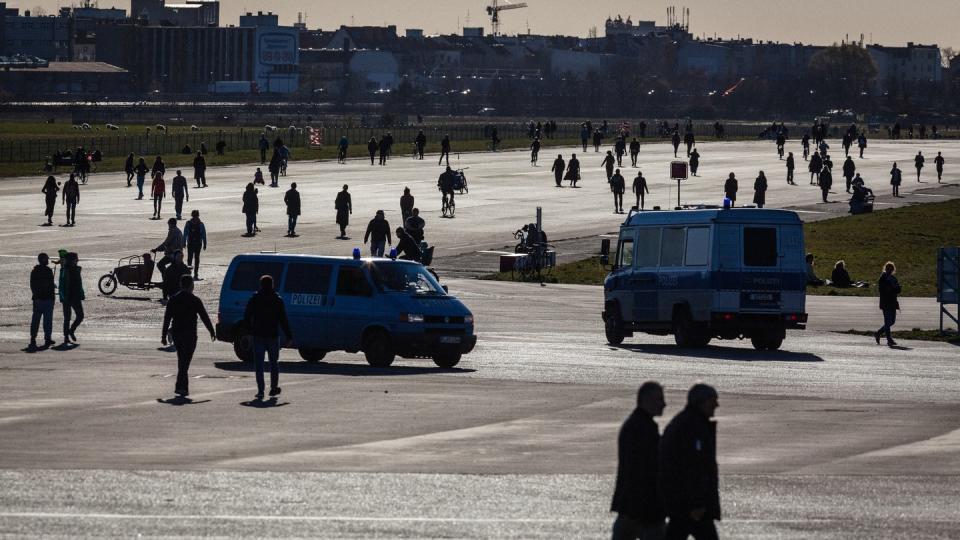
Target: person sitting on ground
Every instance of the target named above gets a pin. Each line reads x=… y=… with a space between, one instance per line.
x=812 y=278
x=840 y=277
x=407 y=248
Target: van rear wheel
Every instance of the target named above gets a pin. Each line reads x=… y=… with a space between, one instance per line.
x=447 y=360
x=312 y=355
x=377 y=348
x=766 y=343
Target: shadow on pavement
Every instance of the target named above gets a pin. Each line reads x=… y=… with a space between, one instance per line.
x=353 y=370
x=261 y=404
x=137 y=298
x=179 y=400
x=724 y=353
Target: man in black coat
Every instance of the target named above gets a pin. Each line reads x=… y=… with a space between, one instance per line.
x=558 y=166
x=889 y=289
x=688 y=476
x=182 y=310
x=618 y=186
x=43 y=292
x=292 y=199
x=265 y=316
x=635 y=498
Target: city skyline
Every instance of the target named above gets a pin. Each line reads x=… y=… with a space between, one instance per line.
x=885 y=22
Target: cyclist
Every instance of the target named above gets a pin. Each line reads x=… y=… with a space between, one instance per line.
x=445 y=183
x=534 y=151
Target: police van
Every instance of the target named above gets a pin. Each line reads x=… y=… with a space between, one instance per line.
x=380 y=306
x=699 y=274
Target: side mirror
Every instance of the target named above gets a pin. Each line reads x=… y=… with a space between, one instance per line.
x=604 y=247
x=445 y=288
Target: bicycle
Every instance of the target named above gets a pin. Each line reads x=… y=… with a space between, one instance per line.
x=448 y=206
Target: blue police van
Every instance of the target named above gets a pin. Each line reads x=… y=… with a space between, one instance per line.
x=699 y=274
x=380 y=306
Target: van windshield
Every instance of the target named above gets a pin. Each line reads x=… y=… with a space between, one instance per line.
x=410 y=278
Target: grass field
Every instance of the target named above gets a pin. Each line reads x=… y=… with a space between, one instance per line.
x=908 y=236
x=43 y=135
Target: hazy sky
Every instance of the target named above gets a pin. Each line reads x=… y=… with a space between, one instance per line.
x=890 y=22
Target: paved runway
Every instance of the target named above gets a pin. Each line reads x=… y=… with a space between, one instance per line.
x=832 y=437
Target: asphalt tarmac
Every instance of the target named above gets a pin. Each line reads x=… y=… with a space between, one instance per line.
x=832 y=437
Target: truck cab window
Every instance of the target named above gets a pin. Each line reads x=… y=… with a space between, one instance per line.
x=759 y=246
x=625 y=253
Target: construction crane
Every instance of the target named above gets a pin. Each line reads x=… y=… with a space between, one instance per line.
x=494 y=9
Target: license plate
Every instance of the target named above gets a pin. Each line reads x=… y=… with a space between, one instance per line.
x=449 y=339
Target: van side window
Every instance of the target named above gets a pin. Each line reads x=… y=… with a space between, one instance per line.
x=626 y=253
x=246 y=276
x=648 y=248
x=698 y=246
x=352 y=282
x=759 y=246
x=671 y=249
x=307 y=278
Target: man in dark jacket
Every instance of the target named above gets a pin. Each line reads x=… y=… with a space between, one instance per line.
x=265 y=316
x=444 y=150
x=384 y=150
x=195 y=237
x=172 y=274
x=849 y=168
x=378 y=234
x=414 y=225
x=635 y=498
x=292 y=199
x=634 y=151
x=71 y=295
x=889 y=289
x=688 y=476
x=183 y=310
x=618 y=186
x=179 y=191
x=406 y=204
x=421 y=142
x=41 y=286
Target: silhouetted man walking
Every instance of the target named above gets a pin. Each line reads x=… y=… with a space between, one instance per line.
x=640 y=189
x=636 y=498
x=44 y=293
x=265 y=316
x=182 y=311
x=688 y=475
x=557 y=169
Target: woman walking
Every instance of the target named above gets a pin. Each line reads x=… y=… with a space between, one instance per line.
x=760 y=190
x=50 y=189
x=251 y=205
x=71 y=296
x=158 y=189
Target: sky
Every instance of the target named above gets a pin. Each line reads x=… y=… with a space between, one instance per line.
x=889 y=22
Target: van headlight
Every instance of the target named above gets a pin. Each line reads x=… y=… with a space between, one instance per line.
x=468 y=319
x=411 y=317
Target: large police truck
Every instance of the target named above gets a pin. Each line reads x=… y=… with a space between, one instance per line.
x=731 y=273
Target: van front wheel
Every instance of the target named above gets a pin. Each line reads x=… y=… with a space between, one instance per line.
x=613 y=328
x=377 y=348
